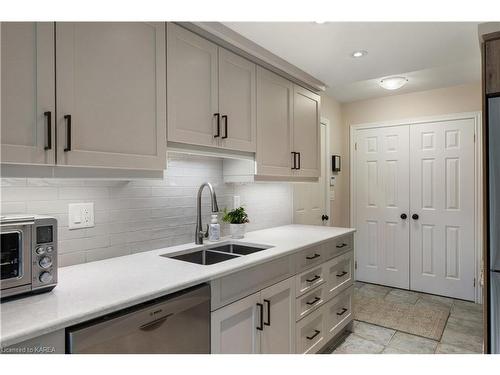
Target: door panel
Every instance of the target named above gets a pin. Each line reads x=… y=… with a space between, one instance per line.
x=309 y=199
x=306 y=131
x=274 y=124
x=111 y=79
x=237 y=101
x=192 y=87
x=442 y=195
x=278 y=336
x=27 y=92
x=381 y=197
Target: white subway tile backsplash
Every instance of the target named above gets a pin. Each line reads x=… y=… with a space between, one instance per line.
x=141 y=215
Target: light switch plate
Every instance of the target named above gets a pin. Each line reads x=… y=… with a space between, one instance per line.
x=236 y=201
x=332 y=194
x=80 y=215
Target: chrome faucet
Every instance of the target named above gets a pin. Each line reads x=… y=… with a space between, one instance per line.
x=199 y=234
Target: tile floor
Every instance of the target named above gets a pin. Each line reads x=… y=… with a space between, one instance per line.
x=462 y=333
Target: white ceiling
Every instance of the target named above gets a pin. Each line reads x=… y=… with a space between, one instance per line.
x=430 y=54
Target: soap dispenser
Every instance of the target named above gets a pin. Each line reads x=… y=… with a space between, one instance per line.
x=214 y=229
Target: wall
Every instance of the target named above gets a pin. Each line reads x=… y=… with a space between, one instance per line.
x=463 y=98
x=141 y=215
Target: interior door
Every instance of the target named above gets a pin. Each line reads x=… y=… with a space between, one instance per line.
x=381 y=198
x=27 y=92
x=237 y=102
x=306 y=132
x=309 y=198
x=274 y=124
x=278 y=335
x=442 y=195
x=192 y=88
x=111 y=94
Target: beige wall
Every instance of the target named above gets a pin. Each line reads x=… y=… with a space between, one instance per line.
x=463 y=98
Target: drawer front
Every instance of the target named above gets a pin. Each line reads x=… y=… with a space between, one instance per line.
x=310 y=334
x=339 y=245
x=338 y=312
x=310 y=301
x=339 y=272
x=311 y=257
x=309 y=280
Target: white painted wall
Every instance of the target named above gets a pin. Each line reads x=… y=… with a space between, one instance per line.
x=141 y=215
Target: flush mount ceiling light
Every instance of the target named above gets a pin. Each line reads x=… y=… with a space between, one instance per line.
x=360 y=53
x=393 y=83
x=319 y=22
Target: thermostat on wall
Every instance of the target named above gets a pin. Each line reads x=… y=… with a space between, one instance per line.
x=335 y=163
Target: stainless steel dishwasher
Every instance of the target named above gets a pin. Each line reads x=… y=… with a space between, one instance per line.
x=178 y=323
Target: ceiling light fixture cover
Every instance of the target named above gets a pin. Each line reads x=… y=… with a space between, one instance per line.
x=393 y=83
x=359 y=53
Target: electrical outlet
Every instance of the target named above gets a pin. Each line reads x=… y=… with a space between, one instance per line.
x=80 y=215
x=236 y=201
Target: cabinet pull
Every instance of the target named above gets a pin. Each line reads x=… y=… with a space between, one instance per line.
x=343 y=273
x=67 y=118
x=260 y=327
x=224 y=118
x=218 y=125
x=299 y=160
x=343 y=312
x=316 y=333
x=316 y=255
x=48 y=115
x=316 y=277
x=315 y=300
x=341 y=245
x=294 y=160
x=268 y=303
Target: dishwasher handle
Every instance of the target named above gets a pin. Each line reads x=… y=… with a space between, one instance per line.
x=151 y=326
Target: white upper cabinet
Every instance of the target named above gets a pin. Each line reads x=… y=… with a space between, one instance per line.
x=274 y=124
x=193 y=108
x=306 y=132
x=111 y=99
x=28 y=96
x=237 y=102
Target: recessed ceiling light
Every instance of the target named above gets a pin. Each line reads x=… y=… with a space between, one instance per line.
x=359 y=53
x=319 y=22
x=393 y=83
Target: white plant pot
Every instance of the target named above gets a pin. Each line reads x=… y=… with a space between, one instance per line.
x=237 y=230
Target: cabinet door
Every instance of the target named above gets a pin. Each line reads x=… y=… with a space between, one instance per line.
x=28 y=96
x=492 y=66
x=237 y=102
x=274 y=124
x=306 y=132
x=234 y=327
x=192 y=88
x=111 y=81
x=278 y=336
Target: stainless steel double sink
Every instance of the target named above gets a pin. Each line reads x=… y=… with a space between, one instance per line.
x=216 y=253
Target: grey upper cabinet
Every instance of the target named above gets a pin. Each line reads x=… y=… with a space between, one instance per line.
x=306 y=132
x=237 y=99
x=274 y=124
x=192 y=88
x=111 y=94
x=28 y=100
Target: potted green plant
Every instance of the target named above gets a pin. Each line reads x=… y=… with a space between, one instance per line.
x=237 y=219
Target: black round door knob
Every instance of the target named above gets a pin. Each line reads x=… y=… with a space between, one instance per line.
x=414 y=217
x=324 y=217
x=404 y=216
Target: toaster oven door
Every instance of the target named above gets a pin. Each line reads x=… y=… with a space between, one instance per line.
x=15 y=254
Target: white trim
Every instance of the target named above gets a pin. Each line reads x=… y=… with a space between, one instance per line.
x=478 y=177
x=326 y=122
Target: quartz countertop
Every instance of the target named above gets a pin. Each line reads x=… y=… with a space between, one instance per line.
x=90 y=290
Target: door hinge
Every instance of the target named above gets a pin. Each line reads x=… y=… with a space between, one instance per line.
x=474 y=282
x=355 y=145
x=355 y=264
x=474 y=137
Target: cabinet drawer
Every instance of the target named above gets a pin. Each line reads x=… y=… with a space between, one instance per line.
x=339 y=272
x=310 y=279
x=310 y=301
x=309 y=258
x=310 y=333
x=338 y=312
x=339 y=245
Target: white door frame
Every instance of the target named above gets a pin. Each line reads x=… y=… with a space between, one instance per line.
x=478 y=178
x=327 y=161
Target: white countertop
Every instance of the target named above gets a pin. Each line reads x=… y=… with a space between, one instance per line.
x=89 y=290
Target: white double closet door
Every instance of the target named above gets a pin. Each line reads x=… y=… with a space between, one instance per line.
x=414 y=206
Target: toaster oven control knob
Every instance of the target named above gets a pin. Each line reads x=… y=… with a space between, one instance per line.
x=45 y=262
x=45 y=277
x=39 y=250
x=50 y=249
